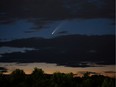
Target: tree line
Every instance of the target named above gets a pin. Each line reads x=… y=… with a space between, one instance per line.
x=38 y=78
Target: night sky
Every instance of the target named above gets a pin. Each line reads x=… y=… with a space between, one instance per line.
x=65 y=32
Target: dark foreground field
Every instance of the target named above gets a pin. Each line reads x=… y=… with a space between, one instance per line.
x=39 y=79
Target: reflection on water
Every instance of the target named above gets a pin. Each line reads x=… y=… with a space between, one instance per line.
x=51 y=68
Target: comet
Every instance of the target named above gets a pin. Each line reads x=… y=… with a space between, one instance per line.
x=58 y=27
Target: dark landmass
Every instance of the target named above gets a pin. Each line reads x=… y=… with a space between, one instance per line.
x=39 y=79
x=3 y=69
x=69 y=50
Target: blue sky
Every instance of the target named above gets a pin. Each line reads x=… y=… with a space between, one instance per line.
x=18 y=29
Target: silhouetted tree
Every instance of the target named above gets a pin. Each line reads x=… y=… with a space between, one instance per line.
x=62 y=80
x=86 y=74
x=38 y=78
x=4 y=81
x=108 y=83
x=17 y=78
x=87 y=83
x=37 y=73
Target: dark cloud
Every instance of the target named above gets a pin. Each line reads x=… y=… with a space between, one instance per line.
x=62 y=32
x=109 y=71
x=6 y=21
x=69 y=50
x=57 y=9
x=3 y=69
x=91 y=73
x=40 y=24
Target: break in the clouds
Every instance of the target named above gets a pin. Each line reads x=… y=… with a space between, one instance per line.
x=6 y=49
x=24 y=29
